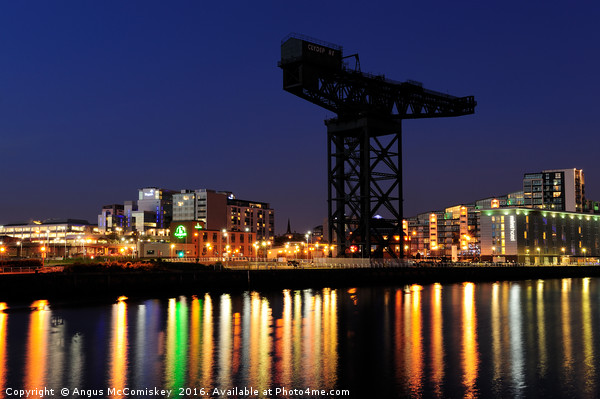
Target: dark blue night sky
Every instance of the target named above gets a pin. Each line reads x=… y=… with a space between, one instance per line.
x=98 y=99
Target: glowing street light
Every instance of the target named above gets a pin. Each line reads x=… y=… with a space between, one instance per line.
x=43 y=249
x=264 y=245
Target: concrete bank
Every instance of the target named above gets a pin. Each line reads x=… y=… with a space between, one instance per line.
x=155 y=284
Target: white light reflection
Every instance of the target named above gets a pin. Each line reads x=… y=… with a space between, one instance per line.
x=225 y=332
x=515 y=318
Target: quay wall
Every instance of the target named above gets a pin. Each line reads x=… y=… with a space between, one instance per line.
x=165 y=283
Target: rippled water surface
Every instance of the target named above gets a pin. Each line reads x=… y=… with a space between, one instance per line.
x=508 y=339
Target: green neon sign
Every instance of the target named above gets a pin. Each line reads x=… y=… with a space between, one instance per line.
x=198 y=227
x=180 y=232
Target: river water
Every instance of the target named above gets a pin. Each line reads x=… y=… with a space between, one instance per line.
x=507 y=339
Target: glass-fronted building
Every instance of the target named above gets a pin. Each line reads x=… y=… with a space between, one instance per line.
x=539 y=237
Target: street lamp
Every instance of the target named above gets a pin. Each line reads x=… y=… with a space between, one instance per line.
x=307 y=248
x=197 y=246
x=264 y=245
x=43 y=249
x=227 y=247
x=223 y=234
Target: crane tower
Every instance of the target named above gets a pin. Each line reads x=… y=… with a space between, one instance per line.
x=364 y=140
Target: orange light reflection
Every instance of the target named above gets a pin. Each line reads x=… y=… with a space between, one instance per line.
x=437 y=341
x=37 y=346
x=118 y=350
x=470 y=354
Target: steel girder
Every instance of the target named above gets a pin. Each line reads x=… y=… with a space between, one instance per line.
x=350 y=93
x=365 y=186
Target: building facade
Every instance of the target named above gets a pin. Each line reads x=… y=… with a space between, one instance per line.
x=450 y=233
x=112 y=217
x=151 y=213
x=157 y=202
x=256 y=217
x=535 y=236
x=555 y=189
x=207 y=206
x=198 y=242
x=59 y=237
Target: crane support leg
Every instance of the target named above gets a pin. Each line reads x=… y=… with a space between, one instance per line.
x=365 y=187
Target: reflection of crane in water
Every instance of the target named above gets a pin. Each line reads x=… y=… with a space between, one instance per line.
x=364 y=140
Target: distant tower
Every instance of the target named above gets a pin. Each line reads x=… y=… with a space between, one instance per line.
x=289 y=230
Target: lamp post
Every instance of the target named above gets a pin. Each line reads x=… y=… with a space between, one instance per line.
x=226 y=235
x=198 y=227
x=223 y=232
x=197 y=246
x=43 y=249
x=307 y=248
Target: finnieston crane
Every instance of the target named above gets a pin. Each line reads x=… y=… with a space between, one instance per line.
x=364 y=141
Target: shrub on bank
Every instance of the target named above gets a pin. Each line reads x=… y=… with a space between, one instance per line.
x=21 y=262
x=136 y=266
x=111 y=266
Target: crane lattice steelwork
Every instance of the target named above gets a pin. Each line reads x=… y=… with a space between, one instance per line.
x=364 y=141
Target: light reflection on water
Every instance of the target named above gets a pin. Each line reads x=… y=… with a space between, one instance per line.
x=117 y=376
x=470 y=353
x=504 y=339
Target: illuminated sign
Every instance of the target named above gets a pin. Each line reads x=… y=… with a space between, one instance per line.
x=180 y=232
x=198 y=227
x=149 y=193
x=320 y=50
x=512 y=227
